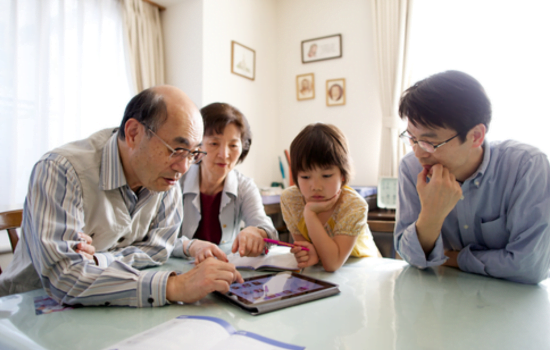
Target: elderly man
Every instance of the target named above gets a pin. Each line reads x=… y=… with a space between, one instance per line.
x=99 y=209
x=464 y=202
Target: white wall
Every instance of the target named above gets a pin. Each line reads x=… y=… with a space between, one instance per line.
x=198 y=60
x=275 y=29
x=252 y=24
x=183 y=43
x=360 y=118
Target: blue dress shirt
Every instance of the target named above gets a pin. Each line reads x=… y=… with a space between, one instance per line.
x=501 y=223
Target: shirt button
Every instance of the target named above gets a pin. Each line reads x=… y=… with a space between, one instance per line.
x=462 y=198
x=465 y=227
x=224 y=225
x=150 y=300
x=477 y=183
x=223 y=241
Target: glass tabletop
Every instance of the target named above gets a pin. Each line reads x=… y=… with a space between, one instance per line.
x=383 y=304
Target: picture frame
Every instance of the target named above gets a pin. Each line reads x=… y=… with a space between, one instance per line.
x=320 y=49
x=243 y=61
x=305 y=86
x=336 y=92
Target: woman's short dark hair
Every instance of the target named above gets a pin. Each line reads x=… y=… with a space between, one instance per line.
x=320 y=146
x=450 y=99
x=216 y=116
x=148 y=108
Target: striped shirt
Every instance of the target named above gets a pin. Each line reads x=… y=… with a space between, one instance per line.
x=53 y=216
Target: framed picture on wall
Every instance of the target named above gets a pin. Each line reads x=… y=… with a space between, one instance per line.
x=305 y=86
x=319 y=49
x=243 y=60
x=336 y=92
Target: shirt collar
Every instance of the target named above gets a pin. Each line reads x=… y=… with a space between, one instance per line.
x=191 y=183
x=478 y=174
x=111 y=173
x=231 y=183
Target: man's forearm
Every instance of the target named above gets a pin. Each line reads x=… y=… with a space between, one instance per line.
x=428 y=230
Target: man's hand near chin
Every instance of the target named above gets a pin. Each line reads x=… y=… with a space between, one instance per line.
x=208 y=276
x=437 y=198
x=453 y=258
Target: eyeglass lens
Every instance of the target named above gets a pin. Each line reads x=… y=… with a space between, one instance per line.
x=428 y=147
x=193 y=157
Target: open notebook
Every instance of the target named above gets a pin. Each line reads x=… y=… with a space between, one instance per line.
x=200 y=333
x=278 y=259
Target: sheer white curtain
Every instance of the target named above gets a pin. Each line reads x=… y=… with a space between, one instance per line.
x=62 y=77
x=392 y=31
x=143 y=31
x=503 y=44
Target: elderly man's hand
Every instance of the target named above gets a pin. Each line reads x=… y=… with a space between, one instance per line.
x=85 y=247
x=209 y=276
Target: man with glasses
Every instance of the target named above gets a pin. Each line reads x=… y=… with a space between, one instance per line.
x=464 y=202
x=101 y=209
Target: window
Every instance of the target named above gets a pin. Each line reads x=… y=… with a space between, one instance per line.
x=504 y=45
x=62 y=77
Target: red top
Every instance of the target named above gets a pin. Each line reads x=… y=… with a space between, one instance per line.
x=209 y=227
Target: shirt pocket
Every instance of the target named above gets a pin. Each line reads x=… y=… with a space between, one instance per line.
x=495 y=234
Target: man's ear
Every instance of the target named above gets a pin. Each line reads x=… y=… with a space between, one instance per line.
x=477 y=135
x=133 y=132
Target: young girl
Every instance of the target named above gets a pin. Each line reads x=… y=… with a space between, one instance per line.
x=321 y=212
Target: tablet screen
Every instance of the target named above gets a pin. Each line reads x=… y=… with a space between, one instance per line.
x=283 y=285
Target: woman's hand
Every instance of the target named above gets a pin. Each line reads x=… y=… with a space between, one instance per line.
x=250 y=242
x=319 y=207
x=303 y=257
x=202 y=250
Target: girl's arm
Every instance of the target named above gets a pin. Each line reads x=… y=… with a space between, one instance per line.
x=291 y=216
x=332 y=252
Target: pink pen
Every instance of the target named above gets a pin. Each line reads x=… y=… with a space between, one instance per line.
x=284 y=244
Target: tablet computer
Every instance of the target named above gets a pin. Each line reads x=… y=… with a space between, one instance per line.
x=265 y=293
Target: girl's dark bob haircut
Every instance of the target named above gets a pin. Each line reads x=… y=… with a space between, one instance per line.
x=320 y=146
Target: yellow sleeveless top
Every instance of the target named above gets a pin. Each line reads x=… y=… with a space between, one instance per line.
x=349 y=218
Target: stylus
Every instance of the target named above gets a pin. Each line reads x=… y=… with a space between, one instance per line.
x=284 y=244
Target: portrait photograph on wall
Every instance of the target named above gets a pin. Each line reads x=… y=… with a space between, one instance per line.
x=305 y=86
x=320 y=49
x=336 y=92
x=243 y=60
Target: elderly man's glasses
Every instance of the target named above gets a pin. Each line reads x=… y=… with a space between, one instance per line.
x=180 y=153
x=425 y=145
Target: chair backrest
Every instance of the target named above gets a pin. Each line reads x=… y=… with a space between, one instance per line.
x=10 y=221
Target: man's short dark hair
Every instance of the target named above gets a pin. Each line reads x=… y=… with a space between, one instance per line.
x=320 y=146
x=148 y=108
x=216 y=116
x=450 y=99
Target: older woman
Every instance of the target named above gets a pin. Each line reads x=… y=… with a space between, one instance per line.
x=216 y=197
